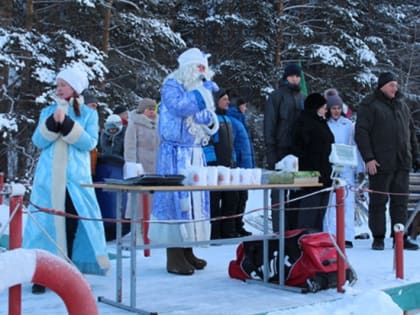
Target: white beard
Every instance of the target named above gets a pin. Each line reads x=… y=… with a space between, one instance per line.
x=190 y=77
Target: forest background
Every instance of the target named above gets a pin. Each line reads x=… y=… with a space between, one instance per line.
x=129 y=47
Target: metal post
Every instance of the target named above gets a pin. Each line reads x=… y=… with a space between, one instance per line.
x=341 y=264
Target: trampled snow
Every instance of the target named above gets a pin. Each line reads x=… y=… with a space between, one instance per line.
x=211 y=291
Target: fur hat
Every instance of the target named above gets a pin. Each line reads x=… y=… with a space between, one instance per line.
x=385 y=77
x=146 y=103
x=77 y=79
x=334 y=100
x=120 y=109
x=193 y=56
x=292 y=69
x=314 y=101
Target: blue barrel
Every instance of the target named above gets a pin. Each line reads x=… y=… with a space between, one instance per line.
x=110 y=166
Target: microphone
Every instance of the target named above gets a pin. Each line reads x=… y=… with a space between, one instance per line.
x=202 y=77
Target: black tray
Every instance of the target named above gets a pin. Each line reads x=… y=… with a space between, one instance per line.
x=148 y=180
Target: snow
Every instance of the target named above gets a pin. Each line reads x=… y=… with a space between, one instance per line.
x=211 y=291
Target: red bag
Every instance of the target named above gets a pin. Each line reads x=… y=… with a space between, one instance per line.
x=318 y=255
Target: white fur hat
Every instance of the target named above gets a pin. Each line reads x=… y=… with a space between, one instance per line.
x=77 y=79
x=193 y=56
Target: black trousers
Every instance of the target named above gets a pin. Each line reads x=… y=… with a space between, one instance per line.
x=71 y=225
x=291 y=216
x=313 y=219
x=240 y=209
x=223 y=203
x=392 y=182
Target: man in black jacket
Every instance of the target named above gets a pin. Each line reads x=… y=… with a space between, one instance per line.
x=386 y=139
x=220 y=152
x=281 y=111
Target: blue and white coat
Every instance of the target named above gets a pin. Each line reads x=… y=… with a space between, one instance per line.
x=184 y=126
x=63 y=165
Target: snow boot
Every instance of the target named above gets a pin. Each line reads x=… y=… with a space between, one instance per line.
x=176 y=262
x=196 y=262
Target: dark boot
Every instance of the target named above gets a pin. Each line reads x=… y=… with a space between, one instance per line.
x=196 y=262
x=38 y=289
x=176 y=262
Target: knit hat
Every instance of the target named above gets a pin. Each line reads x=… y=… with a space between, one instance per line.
x=146 y=103
x=334 y=100
x=386 y=77
x=292 y=69
x=120 y=109
x=193 y=56
x=77 y=79
x=314 y=101
x=219 y=94
x=89 y=97
x=113 y=121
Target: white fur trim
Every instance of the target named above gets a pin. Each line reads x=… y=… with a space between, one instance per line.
x=48 y=134
x=58 y=190
x=74 y=134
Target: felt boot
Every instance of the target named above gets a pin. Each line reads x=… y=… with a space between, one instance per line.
x=196 y=262
x=176 y=262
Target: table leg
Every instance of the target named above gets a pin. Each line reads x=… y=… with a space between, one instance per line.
x=281 y=236
x=133 y=250
x=265 y=241
x=119 y=247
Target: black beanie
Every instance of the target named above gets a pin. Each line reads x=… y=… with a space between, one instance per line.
x=217 y=95
x=386 y=77
x=120 y=109
x=314 y=101
x=292 y=69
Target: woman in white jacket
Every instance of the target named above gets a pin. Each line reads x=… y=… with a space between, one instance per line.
x=343 y=130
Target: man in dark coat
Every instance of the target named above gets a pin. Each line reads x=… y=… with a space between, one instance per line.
x=220 y=151
x=386 y=139
x=281 y=111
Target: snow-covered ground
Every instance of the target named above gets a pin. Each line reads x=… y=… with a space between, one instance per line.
x=211 y=291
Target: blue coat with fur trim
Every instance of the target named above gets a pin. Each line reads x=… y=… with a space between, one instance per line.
x=63 y=165
x=182 y=116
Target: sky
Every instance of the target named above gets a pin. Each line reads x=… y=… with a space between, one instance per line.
x=211 y=291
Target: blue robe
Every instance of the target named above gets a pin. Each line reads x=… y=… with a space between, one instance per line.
x=181 y=113
x=63 y=165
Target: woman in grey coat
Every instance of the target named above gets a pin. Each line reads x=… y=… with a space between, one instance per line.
x=141 y=144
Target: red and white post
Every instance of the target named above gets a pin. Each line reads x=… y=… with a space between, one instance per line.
x=399 y=250
x=15 y=241
x=341 y=242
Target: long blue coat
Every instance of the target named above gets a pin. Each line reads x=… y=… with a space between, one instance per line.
x=63 y=165
x=181 y=115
